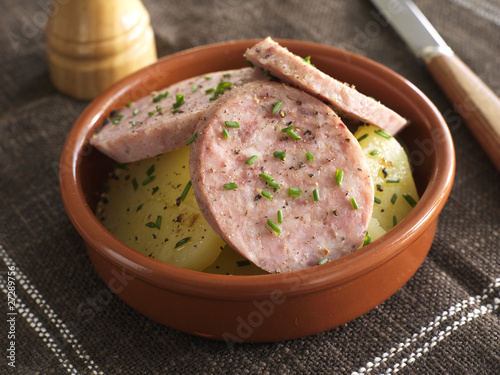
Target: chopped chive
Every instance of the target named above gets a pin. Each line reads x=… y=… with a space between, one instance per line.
x=307 y=59
x=309 y=156
x=159 y=97
x=179 y=100
x=251 y=160
x=158 y=108
x=288 y=128
x=273 y=226
x=374 y=152
x=139 y=208
x=267 y=195
x=280 y=216
x=348 y=139
x=231 y=185
x=116 y=121
x=155 y=189
x=243 y=263
x=133 y=123
x=185 y=191
x=316 y=195
x=339 y=175
x=157 y=224
x=232 y=124
x=362 y=137
x=323 y=261
x=377 y=200
x=294 y=192
x=280 y=154
x=194 y=88
x=135 y=112
x=250 y=64
x=207 y=78
x=226 y=75
x=294 y=135
x=192 y=138
x=354 y=203
x=266 y=177
x=226 y=134
x=274 y=185
x=134 y=184
x=148 y=180
x=410 y=199
x=367 y=240
x=129 y=104
x=182 y=242
x=209 y=91
x=394 y=221
x=151 y=113
x=394 y=197
x=221 y=87
x=383 y=133
x=175 y=111
x=150 y=170
x=392 y=180
x=276 y=107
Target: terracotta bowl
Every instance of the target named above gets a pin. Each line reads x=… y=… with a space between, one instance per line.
x=276 y=306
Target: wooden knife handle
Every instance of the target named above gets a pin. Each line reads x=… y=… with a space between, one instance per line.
x=473 y=99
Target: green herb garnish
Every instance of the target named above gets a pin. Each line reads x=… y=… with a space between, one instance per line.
x=276 y=107
x=185 y=191
x=251 y=160
x=280 y=216
x=410 y=200
x=232 y=124
x=280 y=155
x=383 y=133
x=182 y=242
x=294 y=192
x=266 y=177
x=192 y=138
x=354 y=203
x=273 y=226
x=231 y=186
x=179 y=100
x=323 y=261
x=316 y=195
x=394 y=197
x=362 y=137
x=377 y=200
x=309 y=156
x=339 y=175
x=267 y=195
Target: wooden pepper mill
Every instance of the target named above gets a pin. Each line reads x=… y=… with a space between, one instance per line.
x=91 y=44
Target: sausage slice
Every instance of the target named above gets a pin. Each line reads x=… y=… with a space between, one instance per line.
x=164 y=120
x=347 y=101
x=285 y=151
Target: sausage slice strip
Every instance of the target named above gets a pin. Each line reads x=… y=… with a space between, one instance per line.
x=163 y=121
x=347 y=101
x=279 y=131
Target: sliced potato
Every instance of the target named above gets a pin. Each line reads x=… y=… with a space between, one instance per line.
x=142 y=207
x=395 y=191
x=230 y=262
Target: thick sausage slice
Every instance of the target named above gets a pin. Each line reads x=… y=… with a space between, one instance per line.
x=302 y=145
x=347 y=101
x=164 y=120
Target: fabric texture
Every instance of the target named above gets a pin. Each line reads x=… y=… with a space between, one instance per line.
x=445 y=320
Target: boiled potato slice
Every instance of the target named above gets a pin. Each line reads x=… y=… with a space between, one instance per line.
x=142 y=207
x=395 y=191
x=230 y=262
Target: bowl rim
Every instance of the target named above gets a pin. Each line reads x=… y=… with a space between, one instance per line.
x=233 y=287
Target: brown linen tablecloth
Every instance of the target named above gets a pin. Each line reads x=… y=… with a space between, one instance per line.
x=445 y=320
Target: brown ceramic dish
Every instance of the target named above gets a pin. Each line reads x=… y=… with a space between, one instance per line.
x=265 y=307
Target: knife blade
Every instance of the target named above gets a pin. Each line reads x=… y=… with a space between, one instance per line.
x=477 y=104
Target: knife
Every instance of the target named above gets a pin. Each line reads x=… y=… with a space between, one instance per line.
x=477 y=104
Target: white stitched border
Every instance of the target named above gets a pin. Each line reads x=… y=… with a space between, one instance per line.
x=50 y=313
x=479 y=308
x=37 y=325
